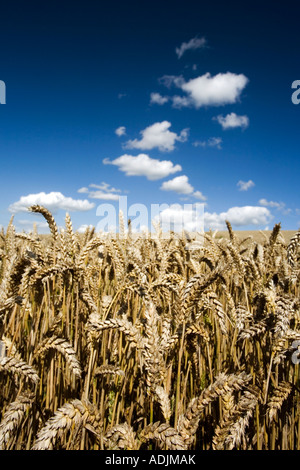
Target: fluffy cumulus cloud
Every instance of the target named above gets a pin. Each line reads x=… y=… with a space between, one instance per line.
x=193 y=216
x=223 y=88
x=176 y=217
x=238 y=217
x=143 y=165
x=232 y=120
x=245 y=185
x=158 y=136
x=207 y=90
x=181 y=185
x=103 y=191
x=192 y=44
x=120 y=131
x=53 y=201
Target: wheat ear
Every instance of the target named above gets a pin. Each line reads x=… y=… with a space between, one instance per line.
x=280 y=394
x=49 y=218
x=165 y=435
x=13 y=418
x=65 y=348
x=121 y=437
x=19 y=367
x=76 y=413
x=188 y=422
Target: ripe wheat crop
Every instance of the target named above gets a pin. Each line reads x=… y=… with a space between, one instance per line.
x=134 y=342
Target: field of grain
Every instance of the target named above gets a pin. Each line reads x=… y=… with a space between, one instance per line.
x=139 y=343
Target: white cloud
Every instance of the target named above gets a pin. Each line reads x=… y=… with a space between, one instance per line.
x=181 y=185
x=194 y=43
x=103 y=191
x=84 y=227
x=158 y=135
x=53 y=201
x=143 y=165
x=205 y=90
x=199 y=195
x=169 y=80
x=120 y=131
x=238 y=217
x=232 y=120
x=181 y=101
x=189 y=214
x=212 y=142
x=105 y=187
x=245 y=185
x=177 y=217
x=274 y=204
x=223 y=88
x=157 y=98
x=103 y=195
x=28 y=225
x=83 y=190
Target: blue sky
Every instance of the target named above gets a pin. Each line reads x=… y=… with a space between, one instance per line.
x=162 y=102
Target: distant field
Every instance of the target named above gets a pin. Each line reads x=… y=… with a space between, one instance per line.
x=258 y=235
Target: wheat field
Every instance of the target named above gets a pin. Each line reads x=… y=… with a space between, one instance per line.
x=136 y=343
